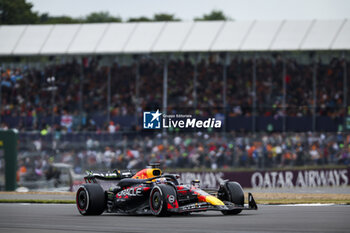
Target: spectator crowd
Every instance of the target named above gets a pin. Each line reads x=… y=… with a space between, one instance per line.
x=80 y=90
x=199 y=150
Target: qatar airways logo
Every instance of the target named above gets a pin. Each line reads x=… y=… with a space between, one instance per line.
x=157 y=120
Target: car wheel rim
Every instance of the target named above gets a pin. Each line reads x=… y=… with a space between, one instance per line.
x=156 y=201
x=82 y=199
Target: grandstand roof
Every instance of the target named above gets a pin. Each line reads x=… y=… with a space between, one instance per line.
x=158 y=37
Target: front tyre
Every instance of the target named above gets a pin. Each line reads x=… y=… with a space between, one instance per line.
x=158 y=199
x=232 y=192
x=90 y=199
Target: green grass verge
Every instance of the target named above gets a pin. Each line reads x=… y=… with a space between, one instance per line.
x=37 y=201
x=296 y=201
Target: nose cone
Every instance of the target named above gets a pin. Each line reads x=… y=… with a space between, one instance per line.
x=214 y=201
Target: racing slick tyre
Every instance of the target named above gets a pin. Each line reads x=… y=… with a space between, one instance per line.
x=233 y=193
x=158 y=199
x=90 y=199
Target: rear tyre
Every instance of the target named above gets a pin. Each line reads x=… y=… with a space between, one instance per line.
x=233 y=192
x=90 y=199
x=158 y=199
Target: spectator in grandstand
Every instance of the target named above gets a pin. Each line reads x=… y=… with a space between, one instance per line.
x=111 y=127
x=66 y=121
x=344 y=156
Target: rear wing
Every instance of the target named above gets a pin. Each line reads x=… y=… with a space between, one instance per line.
x=111 y=176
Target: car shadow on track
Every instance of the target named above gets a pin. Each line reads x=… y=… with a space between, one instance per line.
x=178 y=216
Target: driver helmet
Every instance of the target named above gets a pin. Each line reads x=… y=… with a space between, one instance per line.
x=195 y=183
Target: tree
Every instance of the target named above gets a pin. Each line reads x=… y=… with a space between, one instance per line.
x=140 y=19
x=164 y=17
x=213 y=15
x=17 y=12
x=101 y=17
x=46 y=19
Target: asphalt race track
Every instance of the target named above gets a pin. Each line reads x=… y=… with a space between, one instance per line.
x=65 y=218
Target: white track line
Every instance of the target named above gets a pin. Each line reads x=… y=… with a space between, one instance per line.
x=313 y=204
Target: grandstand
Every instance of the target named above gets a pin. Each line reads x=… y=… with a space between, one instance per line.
x=218 y=49
x=270 y=82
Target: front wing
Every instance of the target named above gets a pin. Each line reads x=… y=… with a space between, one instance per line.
x=204 y=206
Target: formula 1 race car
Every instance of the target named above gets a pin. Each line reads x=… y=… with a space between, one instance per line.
x=151 y=192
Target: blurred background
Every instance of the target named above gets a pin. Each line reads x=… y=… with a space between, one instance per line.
x=73 y=89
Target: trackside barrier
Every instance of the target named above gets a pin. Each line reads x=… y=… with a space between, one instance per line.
x=274 y=179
